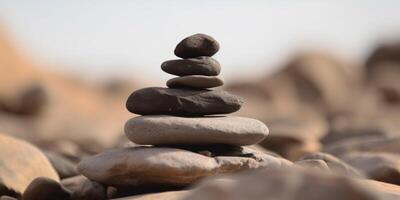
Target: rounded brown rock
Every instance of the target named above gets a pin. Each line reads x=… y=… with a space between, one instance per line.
x=203 y=65
x=195 y=81
x=20 y=163
x=160 y=166
x=46 y=189
x=197 y=45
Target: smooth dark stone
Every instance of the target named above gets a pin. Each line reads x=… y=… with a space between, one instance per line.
x=197 y=45
x=195 y=81
x=182 y=102
x=203 y=65
x=46 y=189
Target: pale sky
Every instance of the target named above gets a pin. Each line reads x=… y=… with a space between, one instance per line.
x=127 y=37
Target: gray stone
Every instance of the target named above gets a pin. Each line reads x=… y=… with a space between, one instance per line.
x=195 y=81
x=163 y=129
x=182 y=102
x=197 y=45
x=203 y=65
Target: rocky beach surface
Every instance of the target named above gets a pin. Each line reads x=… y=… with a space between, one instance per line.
x=318 y=128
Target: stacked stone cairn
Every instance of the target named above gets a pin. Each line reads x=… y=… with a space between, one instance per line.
x=182 y=135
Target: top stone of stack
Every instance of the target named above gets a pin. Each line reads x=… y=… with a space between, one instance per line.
x=197 y=45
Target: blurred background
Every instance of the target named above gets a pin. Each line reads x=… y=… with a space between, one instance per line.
x=320 y=74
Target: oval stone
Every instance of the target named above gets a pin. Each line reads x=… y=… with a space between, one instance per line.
x=182 y=102
x=43 y=188
x=155 y=166
x=20 y=163
x=197 y=45
x=163 y=129
x=203 y=65
x=195 y=81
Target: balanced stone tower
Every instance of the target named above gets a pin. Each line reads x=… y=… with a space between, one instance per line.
x=183 y=134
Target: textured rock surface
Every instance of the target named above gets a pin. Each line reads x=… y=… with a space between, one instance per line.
x=163 y=129
x=20 y=163
x=195 y=81
x=203 y=65
x=184 y=102
x=284 y=184
x=139 y=166
x=197 y=45
x=379 y=166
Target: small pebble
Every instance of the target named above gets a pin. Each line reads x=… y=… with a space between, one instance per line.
x=195 y=81
x=203 y=65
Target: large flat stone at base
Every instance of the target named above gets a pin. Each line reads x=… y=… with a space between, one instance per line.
x=152 y=166
x=163 y=129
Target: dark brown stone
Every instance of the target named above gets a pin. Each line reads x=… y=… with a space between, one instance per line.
x=195 y=81
x=45 y=189
x=182 y=102
x=197 y=45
